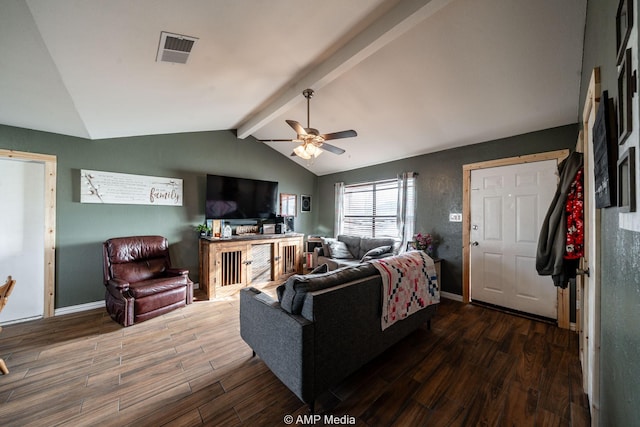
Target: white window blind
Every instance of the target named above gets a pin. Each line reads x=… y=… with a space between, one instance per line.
x=371 y=209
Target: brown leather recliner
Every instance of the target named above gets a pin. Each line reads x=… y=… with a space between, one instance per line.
x=140 y=281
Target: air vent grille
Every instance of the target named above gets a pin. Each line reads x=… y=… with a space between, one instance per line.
x=174 y=47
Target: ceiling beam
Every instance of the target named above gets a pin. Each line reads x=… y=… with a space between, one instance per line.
x=405 y=15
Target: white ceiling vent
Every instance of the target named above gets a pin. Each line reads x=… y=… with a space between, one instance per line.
x=174 y=48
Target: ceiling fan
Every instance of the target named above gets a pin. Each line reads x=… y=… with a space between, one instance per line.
x=312 y=143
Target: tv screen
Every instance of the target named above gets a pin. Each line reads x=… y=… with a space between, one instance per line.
x=240 y=198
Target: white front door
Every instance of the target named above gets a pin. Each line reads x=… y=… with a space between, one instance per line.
x=508 y=205
x=22 y=247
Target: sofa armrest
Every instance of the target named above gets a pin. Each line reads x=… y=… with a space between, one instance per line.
x=283 y=341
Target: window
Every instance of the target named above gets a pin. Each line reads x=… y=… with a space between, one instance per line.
x=373 y=209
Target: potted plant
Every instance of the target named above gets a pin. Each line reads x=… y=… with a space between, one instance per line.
x=203 y=230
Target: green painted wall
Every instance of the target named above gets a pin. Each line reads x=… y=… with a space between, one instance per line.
x=81 y=228
x=439 y=188
x=620 y=251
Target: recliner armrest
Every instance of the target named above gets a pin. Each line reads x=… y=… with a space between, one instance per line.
x=120 y=284
x=177 y=271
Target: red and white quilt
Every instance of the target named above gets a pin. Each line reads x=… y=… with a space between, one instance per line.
x=409 y=284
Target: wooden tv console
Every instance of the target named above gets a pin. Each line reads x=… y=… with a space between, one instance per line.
x=226 y=265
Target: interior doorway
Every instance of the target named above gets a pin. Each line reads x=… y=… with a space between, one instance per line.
x=28 y=254
x=562 y=295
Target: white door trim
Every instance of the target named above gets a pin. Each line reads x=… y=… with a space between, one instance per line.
x=559 y=155
x=50 y=168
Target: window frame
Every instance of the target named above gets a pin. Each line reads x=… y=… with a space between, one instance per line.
x=372 y=216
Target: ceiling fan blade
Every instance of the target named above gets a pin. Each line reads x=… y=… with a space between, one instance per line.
x=275 y=140
x=338 y=135
x=331 y=148
x=297 y=127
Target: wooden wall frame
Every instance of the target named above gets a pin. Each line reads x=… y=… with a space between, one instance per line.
x=625 y=92
x=627 y=181
x=50 y=171
x=563 y=294
x=624 y=24
x=288 y=204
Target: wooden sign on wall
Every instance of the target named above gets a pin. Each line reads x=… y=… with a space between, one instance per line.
x=122 y=188
x=605 y=153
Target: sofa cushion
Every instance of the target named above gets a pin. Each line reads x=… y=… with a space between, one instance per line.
x=379 y=252
x=339 y=250
x=139 y=270
x=319 y=269
x=157 y=286
x=297 y=286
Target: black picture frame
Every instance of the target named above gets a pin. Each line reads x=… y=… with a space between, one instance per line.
x=305 y=203
x=605 y=153
x=625 y=91
x=627 y=181
x=624 y=24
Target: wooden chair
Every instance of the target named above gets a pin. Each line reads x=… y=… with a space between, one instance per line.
x=5 y=291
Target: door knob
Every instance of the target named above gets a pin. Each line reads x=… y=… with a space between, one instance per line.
x=474 y=243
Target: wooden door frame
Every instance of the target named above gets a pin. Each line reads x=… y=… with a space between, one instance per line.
x=559 y=155
x=50 y=171
x=589 y=329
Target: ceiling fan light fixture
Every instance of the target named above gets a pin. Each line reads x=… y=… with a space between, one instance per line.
x=307 y=151
x=312 y=150
x=311 y=143
x=301 y=152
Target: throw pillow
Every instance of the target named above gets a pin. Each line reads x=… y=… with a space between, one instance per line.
x=297 y=286
x=377 y=253
x=339 y=250
x=325 y=245
x=318 y=270
x=353 y=244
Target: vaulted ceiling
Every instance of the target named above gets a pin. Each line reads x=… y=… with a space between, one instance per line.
x=410 y=76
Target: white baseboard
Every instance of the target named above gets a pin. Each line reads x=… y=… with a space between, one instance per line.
x=72 y=309
x=13 y=322
x=89 y=306
x=78 y=308
x=60 y=311
x=449 y=295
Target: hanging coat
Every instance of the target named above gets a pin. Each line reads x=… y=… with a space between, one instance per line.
x=550 y=256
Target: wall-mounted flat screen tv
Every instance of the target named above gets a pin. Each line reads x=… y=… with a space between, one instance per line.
x=240 y=198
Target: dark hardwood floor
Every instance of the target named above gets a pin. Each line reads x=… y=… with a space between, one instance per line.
x=190 y=367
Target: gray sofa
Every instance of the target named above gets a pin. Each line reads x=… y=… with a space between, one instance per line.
x=322 y=328
x=348 y=250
